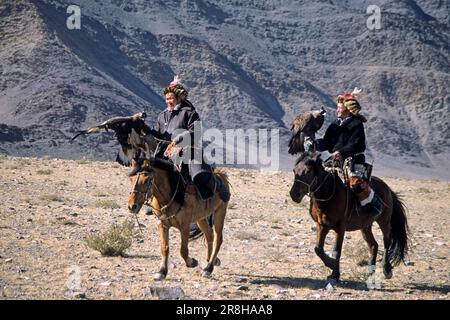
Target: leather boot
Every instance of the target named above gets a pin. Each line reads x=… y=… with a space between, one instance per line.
x=371 y=205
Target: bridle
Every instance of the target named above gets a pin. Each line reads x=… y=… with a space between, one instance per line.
x=310 y=185
x=146 y=194
x=136 y=191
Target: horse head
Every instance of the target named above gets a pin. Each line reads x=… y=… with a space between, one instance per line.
x=141 y=179
x=307 y=171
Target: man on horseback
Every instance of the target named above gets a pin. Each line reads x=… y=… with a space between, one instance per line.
x=345 y=139
x=181 y=116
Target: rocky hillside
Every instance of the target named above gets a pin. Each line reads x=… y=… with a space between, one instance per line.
x=248 y=64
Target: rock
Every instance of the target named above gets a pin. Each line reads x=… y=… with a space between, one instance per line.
x=8 y=260
x=79 y=295
x=105 y=284
x=165 y=293
x=242 y=280
x=243 y=288
x=282 y=291
x=330 y=287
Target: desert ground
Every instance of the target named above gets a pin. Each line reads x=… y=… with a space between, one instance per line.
x=49 y=206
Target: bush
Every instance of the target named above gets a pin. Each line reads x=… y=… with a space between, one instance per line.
x=114 y=241
x=106 y=204
x=44 y=171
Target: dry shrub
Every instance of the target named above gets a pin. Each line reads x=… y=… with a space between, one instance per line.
x=106 y=204
x=51 y=197
x=114 y=241
x=45 y=171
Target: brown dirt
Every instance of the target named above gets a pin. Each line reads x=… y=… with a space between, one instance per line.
x=49 y=206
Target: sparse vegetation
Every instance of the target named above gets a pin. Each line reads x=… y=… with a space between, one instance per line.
x=106 y=204
x=114 y=242
x=244 y=235
x=44 y=171
x=82 y=161
x=51 y=197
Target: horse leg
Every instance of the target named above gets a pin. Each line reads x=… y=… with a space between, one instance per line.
x=184 y=250
x=387 y=267
x=336 y=274
x=219 y=219
x=322 y=232
x=373 y=248
x=164 y=236
x=208 y=232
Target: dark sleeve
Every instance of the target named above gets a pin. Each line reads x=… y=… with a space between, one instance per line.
x=329 y=139
x=193 y=125
x=356 y=142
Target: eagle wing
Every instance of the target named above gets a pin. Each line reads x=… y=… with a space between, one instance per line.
x=305 y=125
x=131 y=134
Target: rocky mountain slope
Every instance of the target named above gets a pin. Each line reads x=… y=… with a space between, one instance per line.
x=248 y=64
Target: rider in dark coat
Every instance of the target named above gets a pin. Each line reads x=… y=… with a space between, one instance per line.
x=180 y=122
x=345 y=138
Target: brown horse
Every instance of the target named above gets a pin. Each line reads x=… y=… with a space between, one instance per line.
x=333 y=208
x=153 y=179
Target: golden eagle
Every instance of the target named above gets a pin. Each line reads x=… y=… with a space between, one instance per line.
x=132 y=133
x=305 y=125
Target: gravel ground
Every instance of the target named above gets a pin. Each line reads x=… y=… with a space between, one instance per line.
x=49 y=206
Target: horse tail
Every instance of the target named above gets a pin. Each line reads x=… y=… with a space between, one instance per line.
x=222 y=175
x=398 y=249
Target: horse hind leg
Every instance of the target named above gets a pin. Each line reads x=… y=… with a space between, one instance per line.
x=219 y=219
x=209 y=238
x=387 y=266
x=373 y=248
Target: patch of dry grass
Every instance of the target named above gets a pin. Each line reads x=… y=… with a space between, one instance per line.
x=114 y=242
x=106 y=204
x=51 y=197
x=44 y=171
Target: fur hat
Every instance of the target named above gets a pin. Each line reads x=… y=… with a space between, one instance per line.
x=176 y=88
x=349 y=100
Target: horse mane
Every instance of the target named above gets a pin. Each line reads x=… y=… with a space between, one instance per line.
x=307 y=156
x=175 y=179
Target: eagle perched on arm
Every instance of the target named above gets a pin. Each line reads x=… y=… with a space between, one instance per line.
x=305 y=125
x=132 y=133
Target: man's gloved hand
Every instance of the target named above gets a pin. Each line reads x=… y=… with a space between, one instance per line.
x=337 y=155
x=170 y=149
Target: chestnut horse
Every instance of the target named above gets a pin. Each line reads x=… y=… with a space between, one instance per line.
x=333 y=208
x=153 y=179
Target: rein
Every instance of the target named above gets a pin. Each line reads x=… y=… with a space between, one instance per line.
x=311 y=193
x=166 y=206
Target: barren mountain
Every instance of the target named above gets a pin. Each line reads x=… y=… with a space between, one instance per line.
x=247 y=64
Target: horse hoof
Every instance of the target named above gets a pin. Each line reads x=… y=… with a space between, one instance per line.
x=193 y=263
x=387 y=275
x=159 y=276
x=217 y=262
x=333 y=279
x=206 y=274
x=371 y=269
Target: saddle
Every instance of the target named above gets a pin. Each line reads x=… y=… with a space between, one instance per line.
x=190 y=187
x=348 y=168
